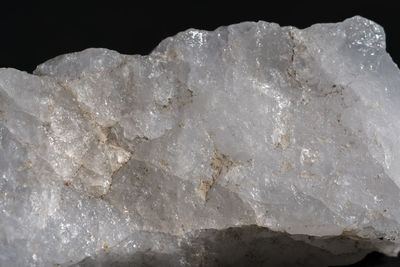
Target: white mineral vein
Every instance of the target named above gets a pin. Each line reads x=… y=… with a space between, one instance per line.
x=218 y=148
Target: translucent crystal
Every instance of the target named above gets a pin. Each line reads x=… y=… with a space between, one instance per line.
x=253 y=143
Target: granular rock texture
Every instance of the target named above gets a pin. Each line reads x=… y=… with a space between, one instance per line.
x=251 y=144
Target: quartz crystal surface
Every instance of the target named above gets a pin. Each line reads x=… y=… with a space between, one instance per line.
x=251 y=144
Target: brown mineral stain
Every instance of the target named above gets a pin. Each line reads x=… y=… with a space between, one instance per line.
x=285 y=141
x=219 y=163
x=204 y=187
x=308 y=175
x=163 y=165
x=286 y=166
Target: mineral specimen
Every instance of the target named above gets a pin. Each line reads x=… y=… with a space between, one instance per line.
x=251 y=144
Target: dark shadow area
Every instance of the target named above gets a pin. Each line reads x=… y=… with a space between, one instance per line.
x=241 y=246
x=376 y=259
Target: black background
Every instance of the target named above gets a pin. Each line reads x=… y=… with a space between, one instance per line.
x=33 y=32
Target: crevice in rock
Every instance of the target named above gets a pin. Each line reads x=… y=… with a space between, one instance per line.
x=291 y=71
x=220 y=163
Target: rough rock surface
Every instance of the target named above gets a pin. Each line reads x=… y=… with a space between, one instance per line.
x=253 y=143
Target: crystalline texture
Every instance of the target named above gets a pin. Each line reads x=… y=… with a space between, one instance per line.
x=253 y=143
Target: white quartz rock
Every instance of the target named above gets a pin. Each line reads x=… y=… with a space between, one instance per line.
x=252 y=135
